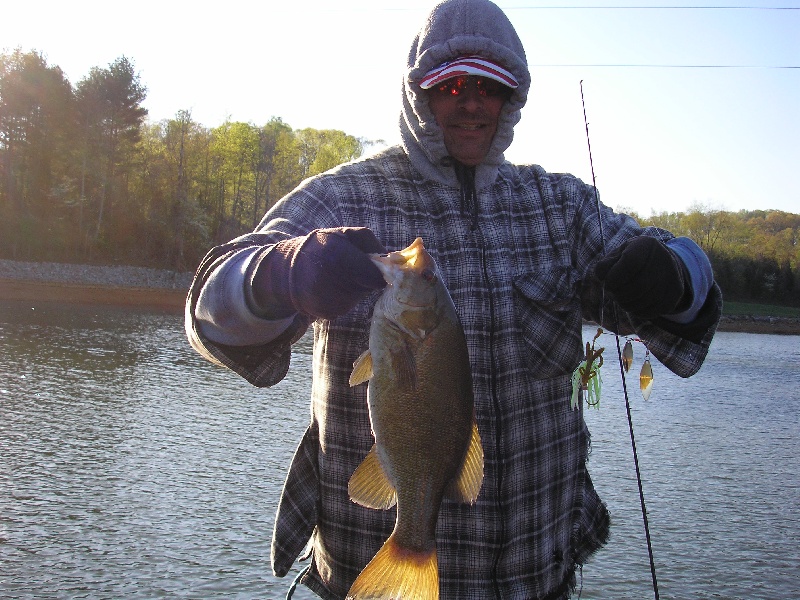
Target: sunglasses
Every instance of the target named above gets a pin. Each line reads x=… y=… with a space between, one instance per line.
x=485 y=86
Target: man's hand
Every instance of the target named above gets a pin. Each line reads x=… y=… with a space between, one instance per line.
x=646 y=278
x=323 y=274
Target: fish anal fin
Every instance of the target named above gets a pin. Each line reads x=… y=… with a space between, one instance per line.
x=369 y=486
x=466 y=486
x=395 y=572
x=362 y=369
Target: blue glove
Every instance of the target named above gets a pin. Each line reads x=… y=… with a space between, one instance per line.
x=323 y=274
x=646 y=278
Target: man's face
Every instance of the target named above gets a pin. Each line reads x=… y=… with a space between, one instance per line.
x=467 y=109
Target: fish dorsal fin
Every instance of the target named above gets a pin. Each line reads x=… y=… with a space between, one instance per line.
x=369 y=486
x=362 y=369
x=466 y=486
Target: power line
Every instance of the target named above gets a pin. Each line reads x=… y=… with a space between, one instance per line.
x=668 y=8
x=619 y=7
x=370 y=8
x=662 y=66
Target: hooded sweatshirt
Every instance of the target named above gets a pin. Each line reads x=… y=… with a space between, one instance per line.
x=460 y=28
x=518 y=264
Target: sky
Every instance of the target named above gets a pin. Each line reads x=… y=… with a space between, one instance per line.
x=689 y=103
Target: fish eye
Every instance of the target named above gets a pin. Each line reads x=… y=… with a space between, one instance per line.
x=428 y=275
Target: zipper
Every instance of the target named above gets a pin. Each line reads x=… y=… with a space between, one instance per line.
x=498 y=429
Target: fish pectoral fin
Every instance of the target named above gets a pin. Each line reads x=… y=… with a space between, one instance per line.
x=362 y=369
x=466 y=486
x=396 y=572
x=369 y=486
x=405 y=367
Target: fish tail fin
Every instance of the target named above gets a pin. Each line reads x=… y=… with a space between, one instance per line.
x=396 y=572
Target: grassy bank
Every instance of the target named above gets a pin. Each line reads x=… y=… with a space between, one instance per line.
x=759 y=310
x=751 y=317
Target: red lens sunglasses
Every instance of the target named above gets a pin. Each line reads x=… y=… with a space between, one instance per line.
x=486 y=87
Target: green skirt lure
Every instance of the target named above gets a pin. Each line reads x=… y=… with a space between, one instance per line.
x=586 y=380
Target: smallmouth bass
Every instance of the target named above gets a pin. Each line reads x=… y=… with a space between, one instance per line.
x=427 y=446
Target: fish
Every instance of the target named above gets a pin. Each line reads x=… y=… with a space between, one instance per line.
x=427 y=445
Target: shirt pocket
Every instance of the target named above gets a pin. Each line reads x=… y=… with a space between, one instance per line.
x=548 y=314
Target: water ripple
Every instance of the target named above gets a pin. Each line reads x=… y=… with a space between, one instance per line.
x=131 y=468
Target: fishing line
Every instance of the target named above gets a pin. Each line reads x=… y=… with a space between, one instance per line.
x=297 y=579
x=615 y=321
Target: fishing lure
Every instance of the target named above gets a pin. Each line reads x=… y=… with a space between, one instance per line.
x=586 y=381
x=627 y=356
x=646 y=376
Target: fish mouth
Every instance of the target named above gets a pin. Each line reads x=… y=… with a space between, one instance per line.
x=388 y=268
x=392 y=264
x=392 y=271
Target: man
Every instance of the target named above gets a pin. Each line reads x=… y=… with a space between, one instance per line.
x=522 y=253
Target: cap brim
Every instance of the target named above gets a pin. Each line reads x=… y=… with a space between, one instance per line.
x=468 y=65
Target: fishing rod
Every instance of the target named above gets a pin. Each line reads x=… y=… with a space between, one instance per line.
x=615 y=320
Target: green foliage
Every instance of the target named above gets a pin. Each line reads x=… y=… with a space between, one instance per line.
x=755 y=254
x=36 y=110
x=83 y=176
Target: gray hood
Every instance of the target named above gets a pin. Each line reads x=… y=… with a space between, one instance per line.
x=457 y=28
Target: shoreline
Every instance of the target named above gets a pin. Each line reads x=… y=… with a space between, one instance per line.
x=105 y=285
x=757 y=324
x=172 y=300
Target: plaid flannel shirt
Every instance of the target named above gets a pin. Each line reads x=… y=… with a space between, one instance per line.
x=521 y=281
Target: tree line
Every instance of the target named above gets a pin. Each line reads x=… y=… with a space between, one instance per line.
x=755 y=253
x=84 y=177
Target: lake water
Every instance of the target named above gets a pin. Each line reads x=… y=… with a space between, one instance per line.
x=131 y=468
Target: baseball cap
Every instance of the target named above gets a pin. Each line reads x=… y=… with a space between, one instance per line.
x=468 y=65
